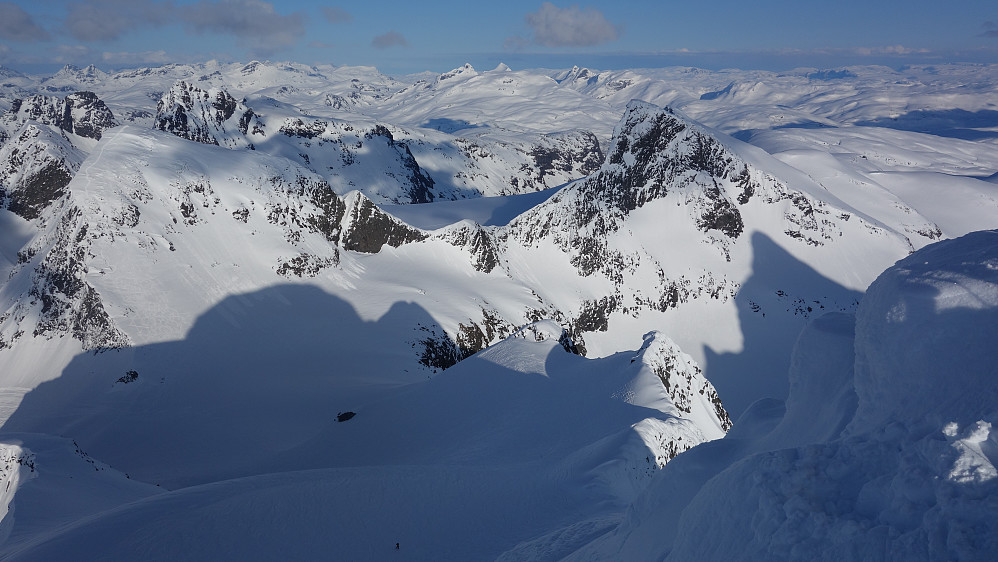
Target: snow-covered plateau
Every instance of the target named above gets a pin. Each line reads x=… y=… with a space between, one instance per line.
x=275 y=311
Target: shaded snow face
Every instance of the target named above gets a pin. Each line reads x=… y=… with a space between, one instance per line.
x=925 y=335
x=885 y=447
x=913 y=476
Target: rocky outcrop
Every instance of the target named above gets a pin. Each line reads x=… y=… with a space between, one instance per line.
x=682 y=379
x=36 y=166
x=81 y=113
x=419 y=184
x=62 y=302
x=207 y=116
x=366 y=228
x=477 y=240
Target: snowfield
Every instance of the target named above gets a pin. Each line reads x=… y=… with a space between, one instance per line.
x=274 y=311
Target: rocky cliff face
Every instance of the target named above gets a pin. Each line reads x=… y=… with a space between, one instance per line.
x=55 y=288
x=682 y=378
x=36 y=165
x=42 y=142
x=81 y=113
x=206 y=116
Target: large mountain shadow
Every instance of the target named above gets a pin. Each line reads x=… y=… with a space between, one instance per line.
x=256 y=374
x=773 y=306
x=953 y=123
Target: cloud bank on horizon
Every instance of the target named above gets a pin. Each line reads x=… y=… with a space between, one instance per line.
x=402 y=37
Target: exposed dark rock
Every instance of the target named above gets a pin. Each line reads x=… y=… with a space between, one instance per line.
x=720 y=214
x=484 y=254
x=567 y=152
x=594 y=315
x=681 y=377
x=80 y=113
x=130 y=376
x=201 y=115
x=307 y=265
x=368 y=228
x=69 y=305
x=39 y=190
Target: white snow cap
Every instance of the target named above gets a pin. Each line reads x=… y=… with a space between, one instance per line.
x=926 y=332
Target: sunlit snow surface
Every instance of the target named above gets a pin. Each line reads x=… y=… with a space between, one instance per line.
x=279 y=408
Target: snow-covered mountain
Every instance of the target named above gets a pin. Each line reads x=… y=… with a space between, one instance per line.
x=883 y=450
x=260 y=285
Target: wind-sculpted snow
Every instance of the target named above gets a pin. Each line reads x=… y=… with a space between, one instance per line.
x=912 y=476
x=924 y=335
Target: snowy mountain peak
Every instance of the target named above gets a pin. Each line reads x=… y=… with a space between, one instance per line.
x=207 y=116
x=88 y=75
x=684 y=383
x=37 y=165
x=81 y=113
x=466 y=71
x=366 y=228
x=577 y=74
x=10 y=73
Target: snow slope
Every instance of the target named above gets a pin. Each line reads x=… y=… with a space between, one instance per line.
x=512 y=428
x=885 y=449
x=253 y=327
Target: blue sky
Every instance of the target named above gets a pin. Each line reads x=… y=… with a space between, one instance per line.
x=400 y=37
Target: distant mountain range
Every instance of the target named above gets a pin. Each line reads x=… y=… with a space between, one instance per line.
x=249 y=283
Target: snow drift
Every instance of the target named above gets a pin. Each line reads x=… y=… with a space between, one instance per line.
x=912 y=476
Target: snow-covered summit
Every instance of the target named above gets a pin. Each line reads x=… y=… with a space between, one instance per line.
x=74 y=75
x=80 y=113
x=207 y=116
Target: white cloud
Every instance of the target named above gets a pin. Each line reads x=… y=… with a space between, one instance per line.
x=66 y=54
x=18 y=25
x=106 y=20
x=390 y=39
x=254 y=24
x=570 y=27
x=889 y=50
